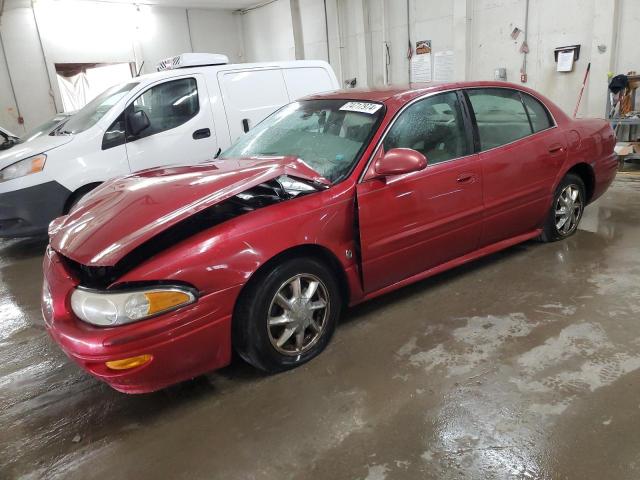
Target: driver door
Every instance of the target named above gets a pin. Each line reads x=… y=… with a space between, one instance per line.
x=414 y=222
x=181 y=125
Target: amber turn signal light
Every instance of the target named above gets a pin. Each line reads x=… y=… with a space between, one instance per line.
x=128 y=363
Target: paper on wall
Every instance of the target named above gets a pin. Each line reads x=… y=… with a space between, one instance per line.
x=421 y=68
x=565 y=61
x=443 y=66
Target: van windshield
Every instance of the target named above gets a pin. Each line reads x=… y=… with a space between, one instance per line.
x=329 y=135
x=93 y=111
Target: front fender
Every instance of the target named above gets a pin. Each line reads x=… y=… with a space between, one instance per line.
x=227 y=255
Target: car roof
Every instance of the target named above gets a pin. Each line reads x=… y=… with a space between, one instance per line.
x=396 y=97
x=406 y=93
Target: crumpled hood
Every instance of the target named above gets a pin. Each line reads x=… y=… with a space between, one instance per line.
x=36 y=146
x=123 y=213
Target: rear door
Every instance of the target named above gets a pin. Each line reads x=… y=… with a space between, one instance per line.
x=249 y=96
x=521 y=152
x=411 y=223
x=181 y=124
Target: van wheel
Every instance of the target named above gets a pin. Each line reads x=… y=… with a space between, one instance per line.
x=286 y=316
x=566 y=209
x=78 y=195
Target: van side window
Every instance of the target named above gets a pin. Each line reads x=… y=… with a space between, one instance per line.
x=500 y=116
x=538 y=113
x=168 y=105
x=434 y=127
x=114 y=135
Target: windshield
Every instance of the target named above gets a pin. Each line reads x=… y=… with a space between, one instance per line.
x=329 y=135
x=93 y=111
x=44 y=128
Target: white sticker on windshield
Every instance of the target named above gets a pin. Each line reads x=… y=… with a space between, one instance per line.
x=361 y=107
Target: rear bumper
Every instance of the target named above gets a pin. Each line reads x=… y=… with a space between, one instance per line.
x=183 y=344
x=605 y=172
x=28 y=211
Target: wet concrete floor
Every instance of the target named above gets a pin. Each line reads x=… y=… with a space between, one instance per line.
x=525 y=364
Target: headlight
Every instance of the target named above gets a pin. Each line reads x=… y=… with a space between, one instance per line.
x=107 y=309
x=24 y=167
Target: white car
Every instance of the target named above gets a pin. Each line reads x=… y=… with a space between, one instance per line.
x=193 y=107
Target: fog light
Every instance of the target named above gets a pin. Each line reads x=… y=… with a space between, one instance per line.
x=127 y=363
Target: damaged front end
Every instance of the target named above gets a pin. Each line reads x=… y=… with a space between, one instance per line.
x=263 y=195
x=150 y=220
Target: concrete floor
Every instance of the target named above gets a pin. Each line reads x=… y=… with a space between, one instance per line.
x=523 y=365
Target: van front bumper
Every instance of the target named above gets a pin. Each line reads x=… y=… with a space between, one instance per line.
x=28 y=211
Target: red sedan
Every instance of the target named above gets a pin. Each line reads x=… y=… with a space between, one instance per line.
x=155 y=277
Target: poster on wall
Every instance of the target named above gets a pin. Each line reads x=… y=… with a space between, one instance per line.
x=565 y=61
x=421 y=62
x=443 y=66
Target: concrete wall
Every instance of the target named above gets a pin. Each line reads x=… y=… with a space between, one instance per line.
x=217 y=31
x=360 y=32
x=628 y=53
x=268 y=33
x=25 y=63
x=73 y=31
x=478 y=31
x=551 y=24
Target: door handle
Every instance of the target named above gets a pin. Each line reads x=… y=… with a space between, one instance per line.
x=245 y=125
x=466 y=178
x=202 y=133
x=556 y=148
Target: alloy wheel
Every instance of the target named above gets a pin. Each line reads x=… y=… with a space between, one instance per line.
x=298 y=314
x=568 y=210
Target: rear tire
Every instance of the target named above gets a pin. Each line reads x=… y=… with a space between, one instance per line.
x=287 y=315
x=566 y=209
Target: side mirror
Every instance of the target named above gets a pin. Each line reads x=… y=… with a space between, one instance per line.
x=398 y=161
x=137 y=121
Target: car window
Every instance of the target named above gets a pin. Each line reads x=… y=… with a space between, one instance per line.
x=538 y=113
x=115 y=134
x=168 y=105
x=434 y=127
x=500 y=116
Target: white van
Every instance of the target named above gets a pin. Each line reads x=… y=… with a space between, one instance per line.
x=193 y=107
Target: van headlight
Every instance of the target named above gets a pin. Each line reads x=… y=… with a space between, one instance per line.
x=107 y=309
x=24 y=167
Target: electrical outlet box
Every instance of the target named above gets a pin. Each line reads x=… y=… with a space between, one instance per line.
x=500 y=74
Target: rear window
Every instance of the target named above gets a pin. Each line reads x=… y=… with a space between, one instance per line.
x=538 y=113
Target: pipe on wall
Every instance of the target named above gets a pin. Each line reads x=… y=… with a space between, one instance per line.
x=410 y=49
x=526 y=37
x=326 y=31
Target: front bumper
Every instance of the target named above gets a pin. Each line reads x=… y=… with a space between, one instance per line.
x=183 y=344
x=28 y=211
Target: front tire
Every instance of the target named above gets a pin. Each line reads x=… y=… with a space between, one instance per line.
x=566 y=210
x=287 y=315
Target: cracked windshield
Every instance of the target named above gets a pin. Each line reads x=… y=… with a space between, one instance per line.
x=329 y=135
